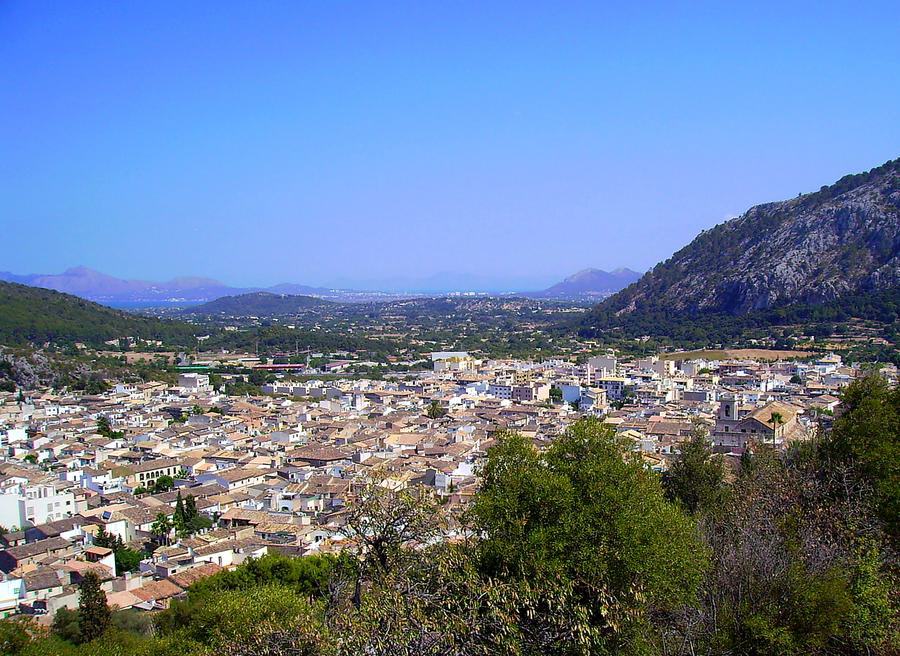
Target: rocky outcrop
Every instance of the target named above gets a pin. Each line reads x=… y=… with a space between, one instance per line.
x=843 y=239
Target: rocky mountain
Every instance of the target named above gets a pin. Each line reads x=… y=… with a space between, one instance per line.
x=839 y=241
x=590 y=283
x=258 y=304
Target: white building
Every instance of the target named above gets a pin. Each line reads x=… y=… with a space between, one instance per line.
x=12 y=510
x=33 y=504
x=602 y=365
x=194 y=383
x=11 y=591
x=452 y=361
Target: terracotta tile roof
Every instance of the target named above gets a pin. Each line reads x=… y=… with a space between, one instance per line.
x=188 y=577
x=156 y=590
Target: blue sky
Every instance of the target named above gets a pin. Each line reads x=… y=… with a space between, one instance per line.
x=355 y=143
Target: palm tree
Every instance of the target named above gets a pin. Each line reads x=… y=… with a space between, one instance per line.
x=161 y=527
x=776 y=420
x=435 y=411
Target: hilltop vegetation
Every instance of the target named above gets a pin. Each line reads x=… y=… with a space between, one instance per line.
x=879 y=309
x=29 y=315
x=260 y=304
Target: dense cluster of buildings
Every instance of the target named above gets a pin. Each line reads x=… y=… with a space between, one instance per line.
x=276 y=471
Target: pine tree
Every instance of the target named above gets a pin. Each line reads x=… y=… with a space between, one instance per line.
x=179 y=508
x=179 y=519
x=103 y=426
x=190 y=508
x=93 y=611
x=102 y=538
x=696 y=477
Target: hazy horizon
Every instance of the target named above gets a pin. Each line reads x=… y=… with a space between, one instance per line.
x=444 y=281
x=349 y=145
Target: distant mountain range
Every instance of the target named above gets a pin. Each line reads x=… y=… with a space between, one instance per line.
x=93 y=285
x=96 y=286
x=840 y=242
x=590 y=283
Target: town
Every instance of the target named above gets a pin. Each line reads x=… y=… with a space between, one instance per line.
x=449 y=329
x=154 y=486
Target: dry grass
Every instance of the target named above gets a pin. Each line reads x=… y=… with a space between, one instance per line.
x=137 y=356
x=736 y=354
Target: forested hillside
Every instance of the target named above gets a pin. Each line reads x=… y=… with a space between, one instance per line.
x=260 y=304
x=29 y=315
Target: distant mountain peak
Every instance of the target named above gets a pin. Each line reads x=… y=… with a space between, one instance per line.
x=591 y=283
x=584 y=273
x=79 y=270
x=87 y=283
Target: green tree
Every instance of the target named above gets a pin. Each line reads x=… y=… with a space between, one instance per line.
x=259 y=377
x=587 y=516
x=161 y=528
x=796 y=566
x=163 y=484
x=179 y=519
x=230 y=621
x=66 y=626
x=17 y=635
x=865 y=438
x=102 y=538
x=127 y=559
x=190 y=508
x=93 y=611
x=103 y=426
x=556 y=395
x=105 y=429
x=435 y=411
x=696 y=477
x=776 y=419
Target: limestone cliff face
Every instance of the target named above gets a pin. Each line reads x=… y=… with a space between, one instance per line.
x=818 y=247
